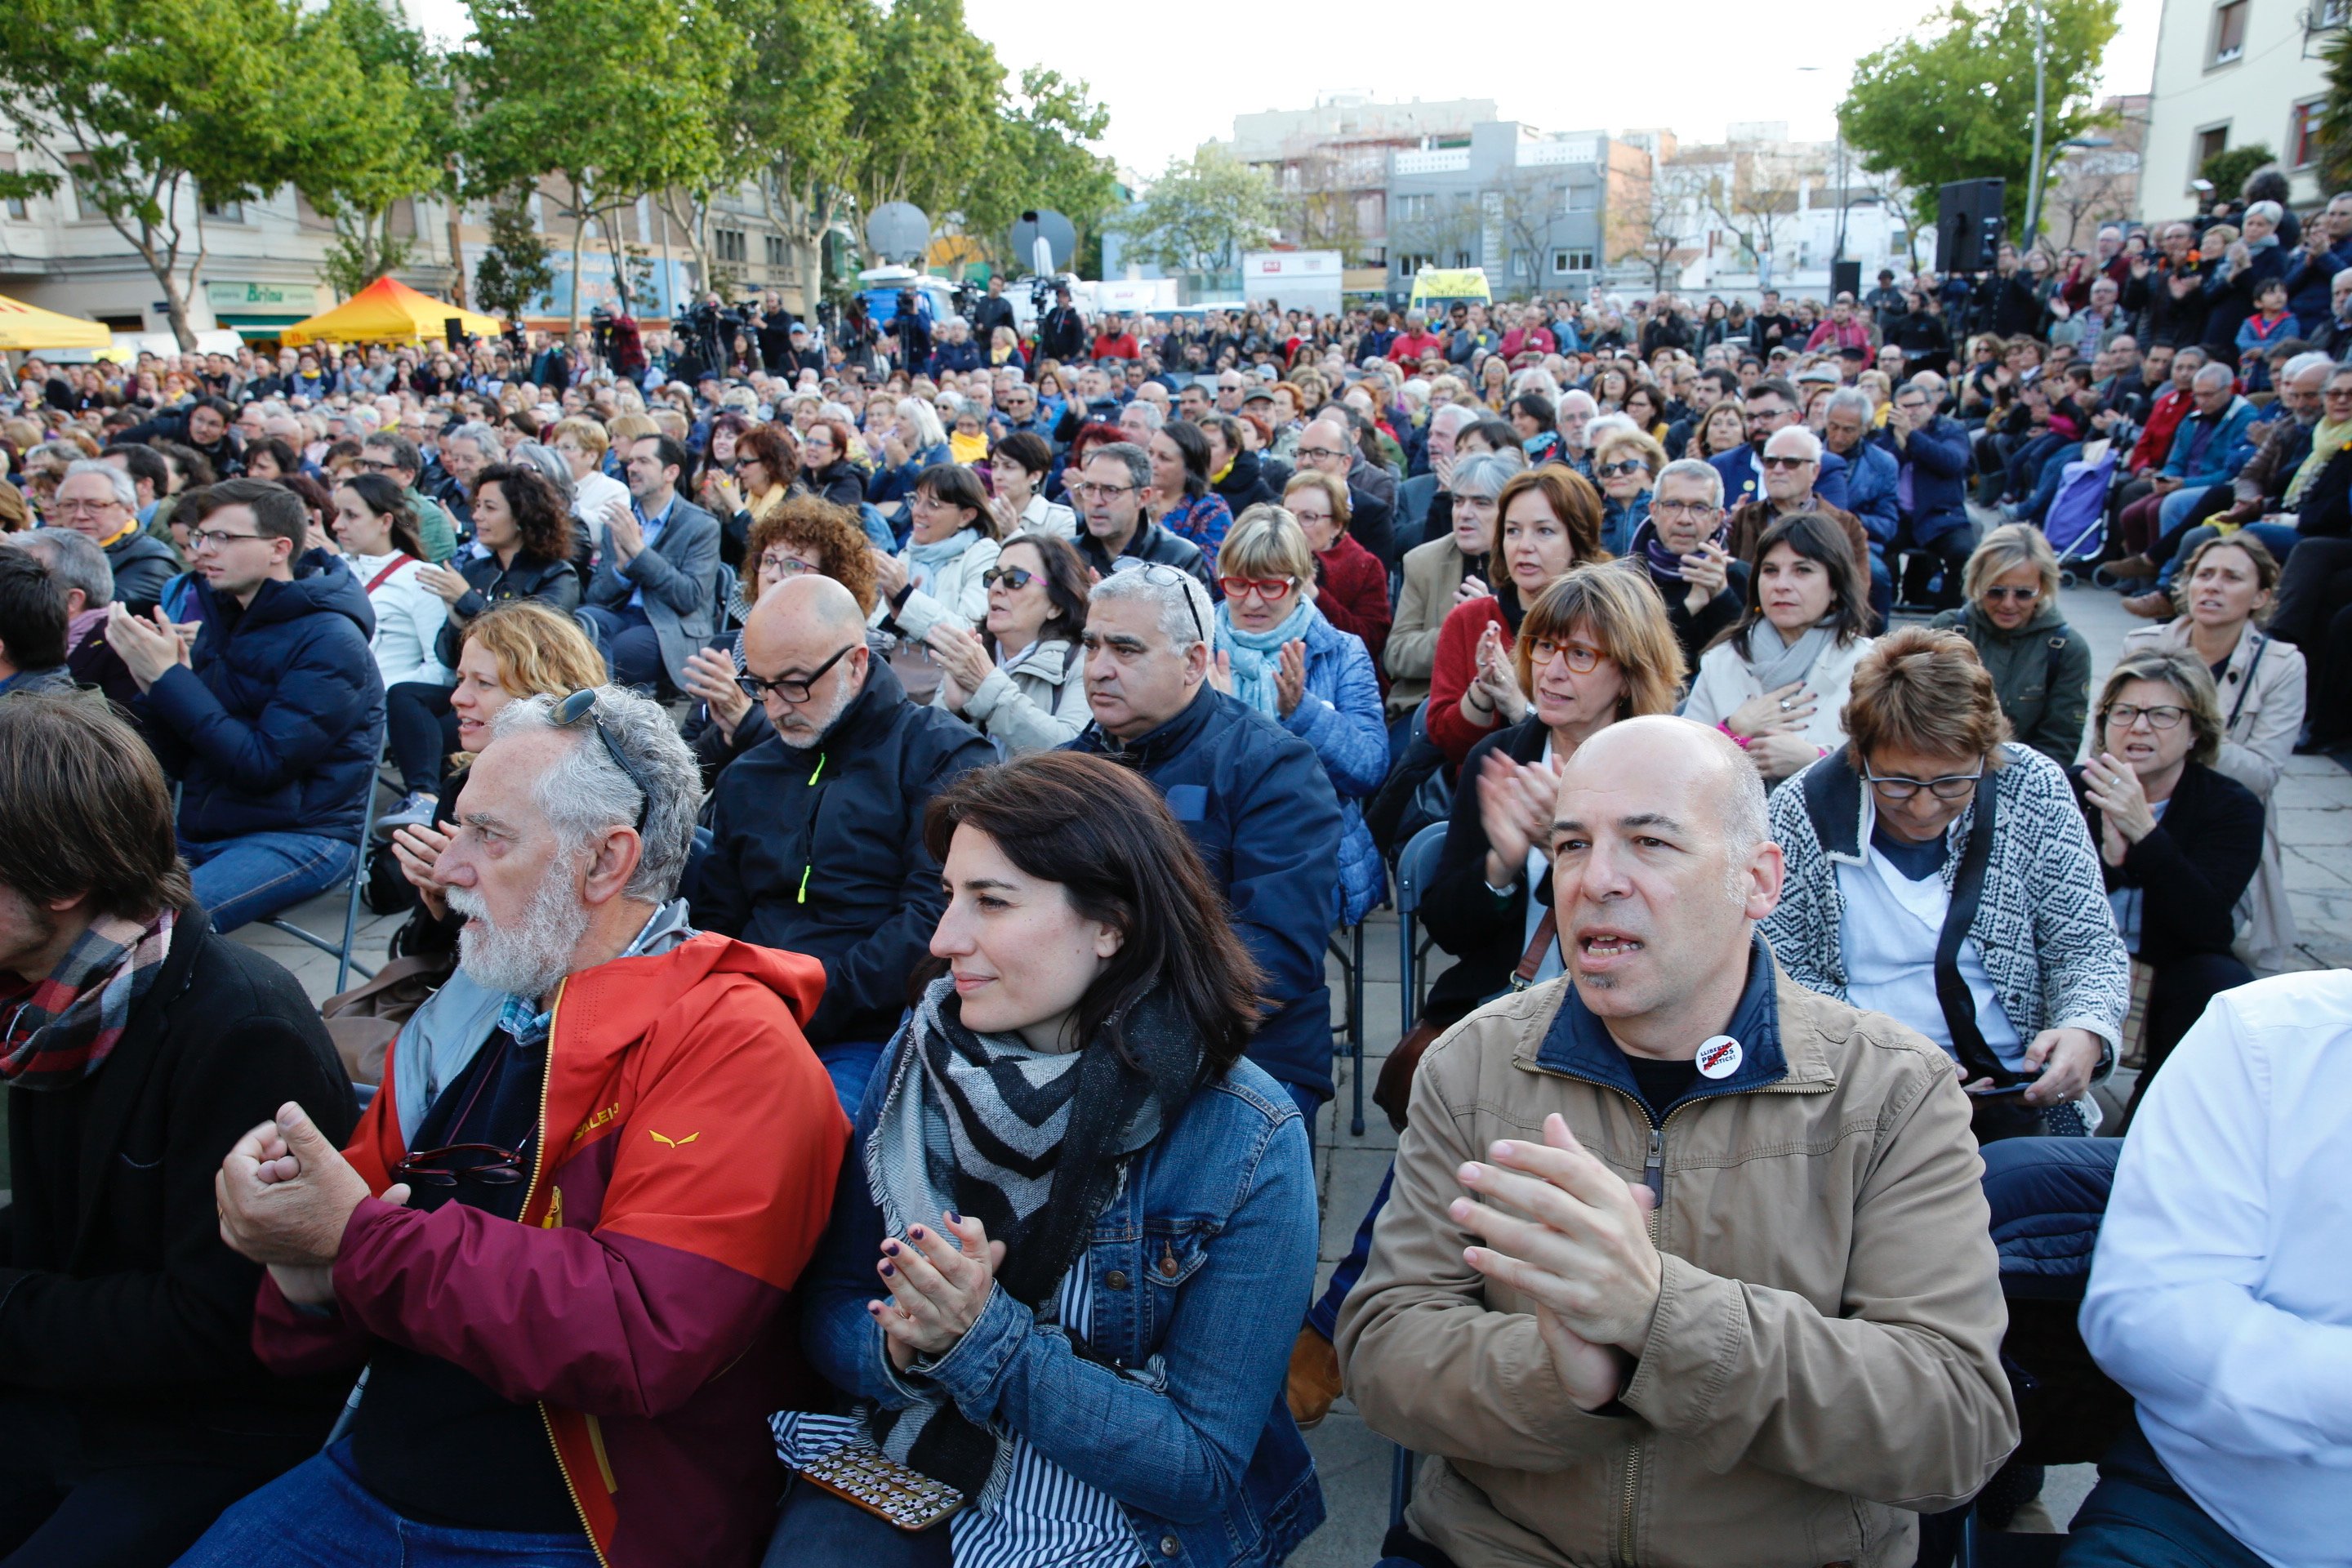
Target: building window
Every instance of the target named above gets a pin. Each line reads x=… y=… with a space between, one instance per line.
x=224 y=212
x=1462 y=258
x=16 y=205
x=1582 y=198
x=727 y=242
x=776 y=251
x=1521 y=263
x=2229 y=32
x=2207 y=142
x=1413 y=261
x=2302 y=133
x=1416 y=208
x=1572 y=261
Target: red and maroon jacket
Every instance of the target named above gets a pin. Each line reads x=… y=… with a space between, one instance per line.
x=693 y=1141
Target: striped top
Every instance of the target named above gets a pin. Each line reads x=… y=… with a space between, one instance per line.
x=1044 y=1517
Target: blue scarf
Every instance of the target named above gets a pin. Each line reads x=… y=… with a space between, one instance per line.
x=924 y=561
x=1257 y=654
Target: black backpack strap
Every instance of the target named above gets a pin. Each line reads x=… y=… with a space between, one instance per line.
x=1952 y=990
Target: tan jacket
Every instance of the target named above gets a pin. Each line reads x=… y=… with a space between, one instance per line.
x=1825 y=1360
x=1431 y=572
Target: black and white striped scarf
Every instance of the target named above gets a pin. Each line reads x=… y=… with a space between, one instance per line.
x=1033 y=1145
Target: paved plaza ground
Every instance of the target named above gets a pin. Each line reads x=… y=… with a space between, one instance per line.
x=2315 y=803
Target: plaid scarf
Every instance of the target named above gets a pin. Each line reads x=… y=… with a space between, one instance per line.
x=61 y=1029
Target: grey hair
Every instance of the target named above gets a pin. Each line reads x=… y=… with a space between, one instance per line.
x=74 y=560
x=1137 y=460
x=1692 y=469
x=2315 y=359
x=2214 y=369
x=928 y=432
x=1152 y=418
x=2270 y=210
x=1812 y=442
x=586 y=794
x=1851 y=400
x=1454 y=414
x=1485 y=473
x=548 y=461
x=126 y=489
x=485 y=439
x=1181 y=626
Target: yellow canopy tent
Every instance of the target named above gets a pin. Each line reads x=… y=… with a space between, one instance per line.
x=388 y=311
x=25 y=327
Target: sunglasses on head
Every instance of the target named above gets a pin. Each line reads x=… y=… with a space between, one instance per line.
x=581 y=707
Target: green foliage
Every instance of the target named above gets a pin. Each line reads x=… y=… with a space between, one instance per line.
x=395 y=133
x=514 y=270
x=2336 y=114
x=2228 y=169
x=1201 y=214
x=1038 y=156
x=1954 y=99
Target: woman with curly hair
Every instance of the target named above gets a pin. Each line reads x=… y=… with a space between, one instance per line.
x=801 y=534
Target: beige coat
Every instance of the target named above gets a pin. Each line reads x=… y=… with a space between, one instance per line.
x=2262 y=712
x=1825 y=1360
x=1431 y=572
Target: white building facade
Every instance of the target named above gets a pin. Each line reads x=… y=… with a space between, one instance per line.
x=2235 y=73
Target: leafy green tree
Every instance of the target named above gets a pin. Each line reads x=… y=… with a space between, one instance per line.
x=1040 y=155
x=1954 y=98
x=620 y=98
x=401 y=106
x=514 y=270
x=1202 y=213
x=159 y=106
x=2335 y=114
x=2228 y=169
x=784 y=124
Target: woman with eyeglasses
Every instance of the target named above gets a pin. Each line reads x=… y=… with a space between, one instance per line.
x=1277 y=653
x=1023 y=684
x=1776 y=683
x=937 y=576
x=2040 y=666
x=2178 y=840
x=1445 y=574
x=1351 y=585
x=1625 y=464
x=1938 y=873
x=1547 y=520
x=803 y=534
x=2225 y=592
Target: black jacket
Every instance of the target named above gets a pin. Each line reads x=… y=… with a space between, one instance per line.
x=555 y=583
x=2192 y=869
x=1245 y=485
x=821 y=851
x=117 y=1295
x=1150 y=542
x=841 y=481
x=1487 y=934
x=142 y=563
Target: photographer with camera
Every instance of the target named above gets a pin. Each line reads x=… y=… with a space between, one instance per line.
x=1061 y=331
x=910 y=335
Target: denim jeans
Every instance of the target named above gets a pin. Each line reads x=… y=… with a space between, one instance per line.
x=850 y=1063
x=240 y=881
x=2137 y=1516
x=317 y=1515
x=423 y=730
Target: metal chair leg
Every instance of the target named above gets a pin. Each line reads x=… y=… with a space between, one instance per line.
x=1356 y=1023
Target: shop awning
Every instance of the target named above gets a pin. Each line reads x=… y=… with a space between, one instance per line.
x=388 y=311
x=26 y=327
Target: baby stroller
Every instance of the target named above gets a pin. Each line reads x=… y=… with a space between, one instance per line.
x=2048 y=1197
x=2076 y=522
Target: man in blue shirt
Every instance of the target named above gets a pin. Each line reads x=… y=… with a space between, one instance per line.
x=654 y=597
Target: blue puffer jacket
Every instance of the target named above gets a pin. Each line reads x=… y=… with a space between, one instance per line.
x=1262 y=813
x=1340 y=718
x=276 y=723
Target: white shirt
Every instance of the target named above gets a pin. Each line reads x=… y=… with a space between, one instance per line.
x=590 y=496
x=2220 y=1295
x=1889 y=929
x=408 y=619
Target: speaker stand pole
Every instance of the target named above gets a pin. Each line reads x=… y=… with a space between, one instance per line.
x=2033 y=171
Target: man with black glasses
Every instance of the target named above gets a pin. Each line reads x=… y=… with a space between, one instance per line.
x=1109 y=496
x=563 y=1238
x=818 y=842
x=398 y=460
x=1327 y=446
x=1770 y=406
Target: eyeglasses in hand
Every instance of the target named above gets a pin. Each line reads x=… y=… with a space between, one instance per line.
x=502 y=1168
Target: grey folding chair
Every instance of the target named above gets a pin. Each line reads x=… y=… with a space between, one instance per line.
x=357 y=880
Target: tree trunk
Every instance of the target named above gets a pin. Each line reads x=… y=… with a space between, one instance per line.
x=457 y=238
x=579 y=239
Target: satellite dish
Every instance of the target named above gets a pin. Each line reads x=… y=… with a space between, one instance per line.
x=1044 y=239
x=898 y=231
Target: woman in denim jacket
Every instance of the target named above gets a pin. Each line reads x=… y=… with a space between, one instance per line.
x=1075 y=1224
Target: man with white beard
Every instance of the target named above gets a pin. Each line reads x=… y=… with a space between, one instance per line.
x=818 y=832
x=561 y=1239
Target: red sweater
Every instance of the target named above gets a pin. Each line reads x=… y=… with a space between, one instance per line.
x=1450 y=677
x=1351 y=589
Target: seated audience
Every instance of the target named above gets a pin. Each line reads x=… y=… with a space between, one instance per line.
x=2216 y=1295
x=1633 y=1301
x=1017 y=466
x=1443 y=574
x=1776 y=682
x=99 y=501
x=377 y=534
x=80 y=568
x=1253 y=796
x=394 y=458
x=1625 y=465
x=938 y=576
x=33 y=619
x=1091 y=1026
x=1279 y=656
x=1022 y=684
x=2177 y=840
x=564 y=1239
x=2224 y=595
x=1180 y=499
x=1937 y=875
x=2040 y=666
x=1680 y=545
x=521 y=549
x=816 y=845
x=1935 y=537
x=138 y=1046
x=1108 y=488
x=803 y=534
x=273 y=719
x=1351 y=585
x=1546 y=520
x=654 y=596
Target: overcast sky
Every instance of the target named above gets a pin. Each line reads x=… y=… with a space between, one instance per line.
x=1690 y=65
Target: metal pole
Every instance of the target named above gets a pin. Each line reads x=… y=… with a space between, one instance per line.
x=2033 y=172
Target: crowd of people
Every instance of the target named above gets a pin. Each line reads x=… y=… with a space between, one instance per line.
x=869 y=819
